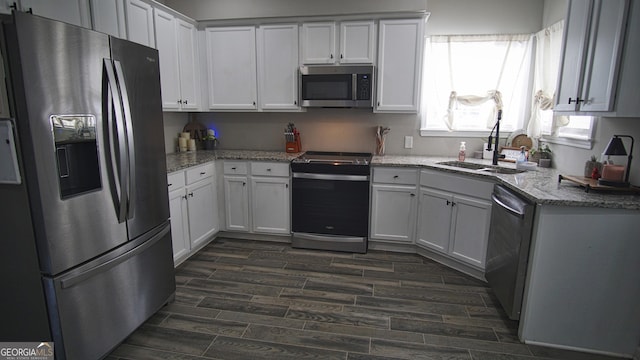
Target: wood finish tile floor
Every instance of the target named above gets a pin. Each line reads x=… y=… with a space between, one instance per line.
x=242 y=299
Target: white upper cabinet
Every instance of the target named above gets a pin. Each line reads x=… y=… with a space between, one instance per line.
x=176 y=43
x=74 y=12
x=140 y=28
x=188 y=65
x=231 y=61
x=593 y=43
x=399 y=65
x=165 y=31
x=107 y=16
x=278 y=67
x=318 y=43
x=357 y=42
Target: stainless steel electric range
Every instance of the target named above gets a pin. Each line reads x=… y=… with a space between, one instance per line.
x=330 y=201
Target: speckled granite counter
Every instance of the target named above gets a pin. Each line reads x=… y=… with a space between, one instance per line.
x=179 y=161
x=540 y=185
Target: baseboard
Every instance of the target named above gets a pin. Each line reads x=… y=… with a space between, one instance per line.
x=451 y=263
x=252 y=236
x=579 y=349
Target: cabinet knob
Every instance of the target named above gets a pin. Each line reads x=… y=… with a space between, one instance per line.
x=286 y=186
x=378 y=103
x=331 y=56
x=30 y=11
x=13 y=6
x=576 y=100
x=202 y=173
x=185 y=197
x=295 y=102
x=186 y=102
x=190 y=194
x=395 y=176
x=268 y=169
x=244 y=183
x=254 y=103
x=169 y=184
x=448 y=202
x=341 y=56
x=413 y=195
x=179 y=101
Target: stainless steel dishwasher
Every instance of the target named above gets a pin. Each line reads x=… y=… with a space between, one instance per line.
x=508 y=248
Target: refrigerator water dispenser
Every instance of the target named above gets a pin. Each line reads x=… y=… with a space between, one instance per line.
x=76 y=154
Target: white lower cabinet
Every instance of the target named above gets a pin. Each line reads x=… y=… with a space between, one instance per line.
x=193 y=209
x=394 y=205
x=236 y=198
x=257 y=197
x=454 y=216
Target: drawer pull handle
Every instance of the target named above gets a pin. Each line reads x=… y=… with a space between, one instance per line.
x=268 y=169
x=233 y=168
x=202 y=173
x=395 y=176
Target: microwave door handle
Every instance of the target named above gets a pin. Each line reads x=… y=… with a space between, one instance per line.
x=131 y=152
x=354 y=87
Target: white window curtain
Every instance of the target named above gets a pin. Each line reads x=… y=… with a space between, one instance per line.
x=467 y=78
x=547 y=62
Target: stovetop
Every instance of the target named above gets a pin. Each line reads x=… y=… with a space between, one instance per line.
x=334 y=158
x=330 y=162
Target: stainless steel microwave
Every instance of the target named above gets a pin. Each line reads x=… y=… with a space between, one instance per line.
x=337 y=86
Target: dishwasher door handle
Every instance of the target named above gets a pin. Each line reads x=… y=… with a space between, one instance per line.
x=507 y=207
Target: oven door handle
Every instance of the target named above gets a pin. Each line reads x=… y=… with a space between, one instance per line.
x=338 y=177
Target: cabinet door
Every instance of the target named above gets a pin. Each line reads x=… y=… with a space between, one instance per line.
x=236 y=203
x=74 y=12
x=188 y=65
x=357 y=42
x=231 y=56
x=393 y=212
x=608 y=26
x=165 y=28
x=5 y=112
x=179 y=225
x=140 y=22
x=203 y=214
x=471 y=230
x=107 y=16
x=399 y=65
x=434 y=219
x=278 y=67
x=270 y=205
x=318 y=42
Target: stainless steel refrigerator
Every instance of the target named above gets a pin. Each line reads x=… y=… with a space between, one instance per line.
x=86 y=243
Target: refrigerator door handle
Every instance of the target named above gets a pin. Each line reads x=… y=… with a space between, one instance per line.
x=78 y=278
x=131 y=152
x=114 y=107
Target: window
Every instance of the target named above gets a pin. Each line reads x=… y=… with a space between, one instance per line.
x=467 y=78
x=577 y=131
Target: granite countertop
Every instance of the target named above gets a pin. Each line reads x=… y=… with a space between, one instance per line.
x=179 y=161
x=540 y=185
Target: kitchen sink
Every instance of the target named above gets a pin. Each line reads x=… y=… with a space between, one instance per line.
x=481 y=168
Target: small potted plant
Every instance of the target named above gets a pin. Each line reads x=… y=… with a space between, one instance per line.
x=590 y=165
x=542 y=152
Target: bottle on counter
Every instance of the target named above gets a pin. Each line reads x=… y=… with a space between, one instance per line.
x=462 y=152
x=522 y=158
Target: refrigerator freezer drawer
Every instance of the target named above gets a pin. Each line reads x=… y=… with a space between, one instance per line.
x=96 y=309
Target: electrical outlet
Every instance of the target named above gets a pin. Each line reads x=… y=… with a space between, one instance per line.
x=408 y=142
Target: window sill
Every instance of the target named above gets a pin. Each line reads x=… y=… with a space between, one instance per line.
x=577 y=143
x=467 y=134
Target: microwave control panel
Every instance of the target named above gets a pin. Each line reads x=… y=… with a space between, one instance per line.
x=364 y=87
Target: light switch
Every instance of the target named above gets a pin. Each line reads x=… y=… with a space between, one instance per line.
x=408 y=142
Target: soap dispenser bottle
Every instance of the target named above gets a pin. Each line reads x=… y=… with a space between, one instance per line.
x=462 y=152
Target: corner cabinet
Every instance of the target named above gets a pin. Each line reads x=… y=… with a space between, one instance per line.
x=193 y=209
x=598 y=69
x=394 y=203
x=177 y=49
x=231 y=62
x=454 y=216
x=278 y=67
x=401 y=44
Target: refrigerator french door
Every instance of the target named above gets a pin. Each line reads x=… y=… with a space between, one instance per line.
x=88 y=118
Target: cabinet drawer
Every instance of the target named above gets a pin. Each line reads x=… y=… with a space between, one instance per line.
x=175 y=180
x=395 y=176
x=199 y=173
x=269 y=169
x=456 y=183
x=235 y=167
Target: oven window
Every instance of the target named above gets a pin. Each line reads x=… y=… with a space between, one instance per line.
x=331 y=207
x=326 y=87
